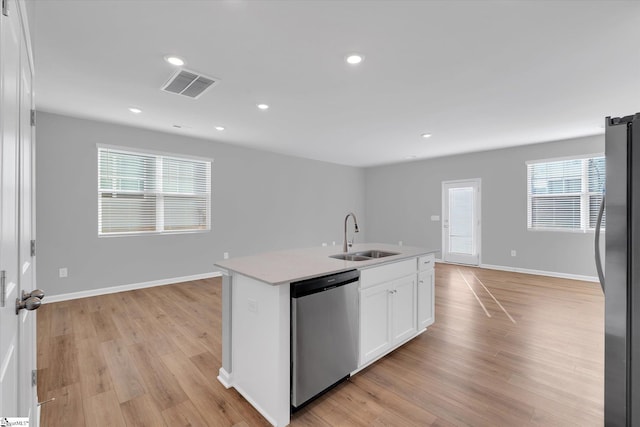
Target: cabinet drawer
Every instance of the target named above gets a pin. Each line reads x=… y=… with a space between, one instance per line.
x=373 y=276
x=426 y=262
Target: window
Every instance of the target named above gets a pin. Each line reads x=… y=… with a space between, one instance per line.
x=150 y=193
x=565 y=194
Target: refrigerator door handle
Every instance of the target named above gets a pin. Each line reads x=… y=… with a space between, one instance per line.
x=597 y=243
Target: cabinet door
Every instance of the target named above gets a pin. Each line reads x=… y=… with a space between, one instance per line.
x=426 y=299
x=403 y=298
x=375 y=321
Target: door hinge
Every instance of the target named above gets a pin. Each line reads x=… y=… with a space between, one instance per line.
x=34 y=377
x=33 y=117
x=3 y=285
x=33 y=248
x=5 y=8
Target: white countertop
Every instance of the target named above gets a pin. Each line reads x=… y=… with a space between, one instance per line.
x=298 y=264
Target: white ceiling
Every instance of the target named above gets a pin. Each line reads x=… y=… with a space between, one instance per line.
x=475 y=74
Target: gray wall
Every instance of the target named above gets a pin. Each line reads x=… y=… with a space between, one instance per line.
x=260 y=201
x=401 y=198
x=263 y=201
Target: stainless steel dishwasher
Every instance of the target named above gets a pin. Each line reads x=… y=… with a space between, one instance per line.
x=324 y=334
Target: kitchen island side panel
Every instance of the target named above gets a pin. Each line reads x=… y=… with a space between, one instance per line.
x=226 y=369
x=261 y=346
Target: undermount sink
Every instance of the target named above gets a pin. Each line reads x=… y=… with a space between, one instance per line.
x=363 y=256
x=376 y=254
x=350 y=257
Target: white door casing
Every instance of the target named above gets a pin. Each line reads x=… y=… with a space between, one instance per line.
x=27 y=364
x=9 y=134
x=461 y=229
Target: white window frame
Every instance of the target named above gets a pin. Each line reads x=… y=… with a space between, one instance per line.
x=159 y=155
x=584 y=194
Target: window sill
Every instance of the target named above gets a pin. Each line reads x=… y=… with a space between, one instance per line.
x=151 y=233
x=565 y=230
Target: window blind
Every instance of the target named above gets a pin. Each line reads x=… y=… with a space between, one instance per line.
x=565 y=194
x=149 y=193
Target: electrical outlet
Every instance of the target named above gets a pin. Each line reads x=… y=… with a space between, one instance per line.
x=324 y=244
x=252 y=305
x=513 y=252
x=400 y=243
x=63 y=272
x=333 y=243
x=435 y=217
x=225 y=255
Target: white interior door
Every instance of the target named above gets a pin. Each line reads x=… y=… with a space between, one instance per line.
x=18 y=396
x=27 y=401
x=9 y=132
x=461 y=221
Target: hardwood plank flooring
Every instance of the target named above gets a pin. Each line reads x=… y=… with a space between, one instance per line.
x=126 y=378
x=533 y=356
x=101 y=410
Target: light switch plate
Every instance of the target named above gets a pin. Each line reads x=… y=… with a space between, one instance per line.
x=63 y=272
x=435 y=217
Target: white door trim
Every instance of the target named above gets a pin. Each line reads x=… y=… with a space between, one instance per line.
x=477 y=183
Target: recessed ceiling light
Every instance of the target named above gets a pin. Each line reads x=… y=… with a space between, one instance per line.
x=219 y=127
x=426 y=135
x=135 y=110
x=174 y=60
x=263 y=106
x=354 y=58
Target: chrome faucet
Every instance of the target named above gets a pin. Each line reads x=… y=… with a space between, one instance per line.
x=355 y=223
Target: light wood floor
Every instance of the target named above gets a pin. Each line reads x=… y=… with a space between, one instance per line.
x=151 y=356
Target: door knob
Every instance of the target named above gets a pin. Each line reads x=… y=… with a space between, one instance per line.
x=30 y=304
x=36 y=293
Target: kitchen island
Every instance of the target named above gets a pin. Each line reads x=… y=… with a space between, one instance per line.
x=396 y=303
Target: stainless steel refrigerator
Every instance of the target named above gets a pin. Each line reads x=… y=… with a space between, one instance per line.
x=621 y=276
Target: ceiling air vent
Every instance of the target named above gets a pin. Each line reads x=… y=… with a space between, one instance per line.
x=189 y=83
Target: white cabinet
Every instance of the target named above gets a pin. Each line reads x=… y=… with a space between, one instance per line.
x=403 y=309
x=426 y=262
x=375 y=321
x=426 y=289
x=387 y=316
x=396 y=301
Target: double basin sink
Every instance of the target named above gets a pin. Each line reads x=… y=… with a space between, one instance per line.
x=363 y=256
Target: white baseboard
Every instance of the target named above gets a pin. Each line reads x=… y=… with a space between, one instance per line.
x=122 y=288
x=536 y=272
x=541 y=272
x=225 y=378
